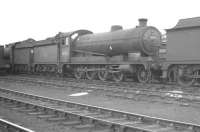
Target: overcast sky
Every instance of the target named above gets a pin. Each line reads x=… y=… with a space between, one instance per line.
x=39 y=19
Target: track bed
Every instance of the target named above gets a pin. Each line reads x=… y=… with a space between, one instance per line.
x=151 y=108
x=91 y=116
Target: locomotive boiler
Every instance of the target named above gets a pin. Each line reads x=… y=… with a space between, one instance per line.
x=142 y=39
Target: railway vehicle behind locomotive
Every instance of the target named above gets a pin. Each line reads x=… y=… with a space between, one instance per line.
x=110 y=55
x=4 y=61
x=183 y=57
x=20 y=55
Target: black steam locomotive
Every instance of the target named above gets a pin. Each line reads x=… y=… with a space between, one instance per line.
x=114 y=55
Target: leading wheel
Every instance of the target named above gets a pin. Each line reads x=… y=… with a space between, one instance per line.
x=118 y=76
x=143 y=75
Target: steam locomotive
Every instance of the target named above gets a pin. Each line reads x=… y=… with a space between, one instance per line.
x=114 y=55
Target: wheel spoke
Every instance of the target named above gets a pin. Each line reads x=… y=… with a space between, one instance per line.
x=78 y=73
x=91 y=75
x=143 y=75
x=184 y=78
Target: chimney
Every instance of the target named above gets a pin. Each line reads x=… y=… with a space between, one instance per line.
x=142 y=22
x=116 y=28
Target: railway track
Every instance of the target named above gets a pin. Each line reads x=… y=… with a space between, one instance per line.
x=134 y=93
x=7 y=126
x=127 y=84
x=97 y=82
x=82 y=116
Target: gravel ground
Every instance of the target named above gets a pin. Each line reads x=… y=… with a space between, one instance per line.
x=36 y=124
x=167 y=111
x=30 y=122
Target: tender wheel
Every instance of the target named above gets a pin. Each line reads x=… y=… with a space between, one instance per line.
x=91 y=74
x=184 y=78
x=143 y=75
x=78 y=73
x=172 y=74
x=118 y=76
x=40 y=68
x=103 y=75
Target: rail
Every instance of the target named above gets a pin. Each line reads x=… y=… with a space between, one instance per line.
x=121 y=119
x=7 y=126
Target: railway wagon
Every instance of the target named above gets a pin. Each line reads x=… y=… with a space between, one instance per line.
x=182 y=63
x=4 y=61
x=45 y=55
x=21 y=55
x=110 y=55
